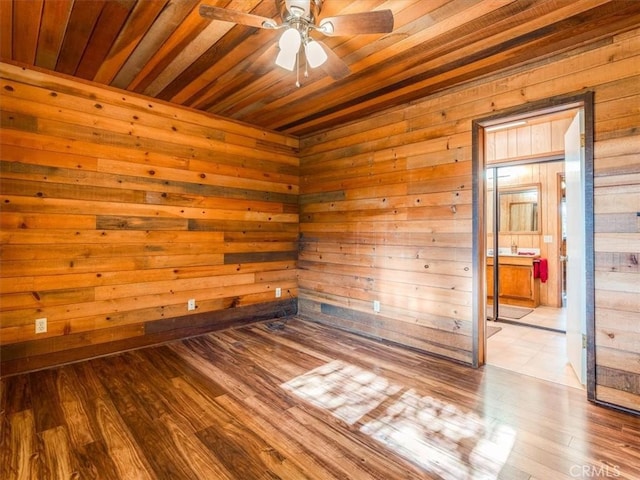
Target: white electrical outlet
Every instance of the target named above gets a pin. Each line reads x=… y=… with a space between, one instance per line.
x=41 y=325
x=191 y=304
x=278 y=292
x=376 y=306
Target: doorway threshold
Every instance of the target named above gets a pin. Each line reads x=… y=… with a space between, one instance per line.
x=523 y=324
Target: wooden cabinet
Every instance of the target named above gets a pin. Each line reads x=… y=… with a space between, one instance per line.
x=517 y=284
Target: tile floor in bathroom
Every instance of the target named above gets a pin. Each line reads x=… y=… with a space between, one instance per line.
x=532 y=351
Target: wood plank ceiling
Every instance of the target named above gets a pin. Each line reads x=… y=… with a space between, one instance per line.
x=166 y=50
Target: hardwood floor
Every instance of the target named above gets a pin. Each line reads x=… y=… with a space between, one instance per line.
x=303 y=402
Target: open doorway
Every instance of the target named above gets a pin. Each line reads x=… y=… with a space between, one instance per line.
x=526 y=321
x=519 y=228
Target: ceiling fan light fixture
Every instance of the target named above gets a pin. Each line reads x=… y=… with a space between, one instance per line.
x=289 y=44
x=316 y=55
x=290 y=40
x=286 y=60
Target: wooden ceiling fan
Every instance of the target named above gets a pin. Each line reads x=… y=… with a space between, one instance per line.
x=299 y=22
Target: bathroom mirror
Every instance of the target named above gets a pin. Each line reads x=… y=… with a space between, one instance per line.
x=519 y=209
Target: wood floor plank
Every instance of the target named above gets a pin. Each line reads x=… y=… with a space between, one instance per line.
x=20 y=447
x=81 y=429
x=199 y=409
x=44 y=396
x=193 y=451
x=302 y=401
x=16 y=394
x=59 y=458
x=268 y=423
x=126 y=455
x=141 y=411
x=95 y=462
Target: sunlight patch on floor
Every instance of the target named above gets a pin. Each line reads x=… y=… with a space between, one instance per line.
x=430 y=432
x=442 y=439
x=347 y=391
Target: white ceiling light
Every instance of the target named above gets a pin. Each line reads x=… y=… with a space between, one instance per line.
x=504 y=126
x=289 y=43
x=316 y=55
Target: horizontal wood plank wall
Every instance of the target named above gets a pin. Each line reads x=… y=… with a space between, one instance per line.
x=386 y=212
x=116 y=210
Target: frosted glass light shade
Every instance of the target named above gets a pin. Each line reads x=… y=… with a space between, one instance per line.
x=316 y=55
x=286 y=60
x=289 y=46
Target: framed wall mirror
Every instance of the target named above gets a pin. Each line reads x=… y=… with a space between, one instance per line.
x=519 y=209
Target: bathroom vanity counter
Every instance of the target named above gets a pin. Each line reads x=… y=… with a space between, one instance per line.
x=516 y=283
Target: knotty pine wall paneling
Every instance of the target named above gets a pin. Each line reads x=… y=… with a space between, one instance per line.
x=385 y=212
x=116 y=210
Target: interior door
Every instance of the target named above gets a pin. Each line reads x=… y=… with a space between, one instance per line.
x=575 y=258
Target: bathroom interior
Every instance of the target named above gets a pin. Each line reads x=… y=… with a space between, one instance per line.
x=530 y=241
x=526 y=244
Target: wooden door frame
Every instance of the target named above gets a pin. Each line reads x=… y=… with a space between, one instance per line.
x=479 y=250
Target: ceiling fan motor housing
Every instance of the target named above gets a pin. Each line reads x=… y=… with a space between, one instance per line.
x=295 y=9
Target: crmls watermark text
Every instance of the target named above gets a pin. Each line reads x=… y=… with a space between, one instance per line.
x=594 y=471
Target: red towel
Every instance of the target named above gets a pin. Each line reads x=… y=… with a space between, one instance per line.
x=544 y=270
x=541 y=269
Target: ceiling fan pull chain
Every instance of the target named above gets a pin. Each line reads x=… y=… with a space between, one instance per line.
x=298 y=69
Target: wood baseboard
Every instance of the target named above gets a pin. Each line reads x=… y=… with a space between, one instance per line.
x=20 y=357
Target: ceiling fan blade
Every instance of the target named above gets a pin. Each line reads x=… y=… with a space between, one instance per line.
x=248 y=19
x=379 y=21
x=334 y=66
